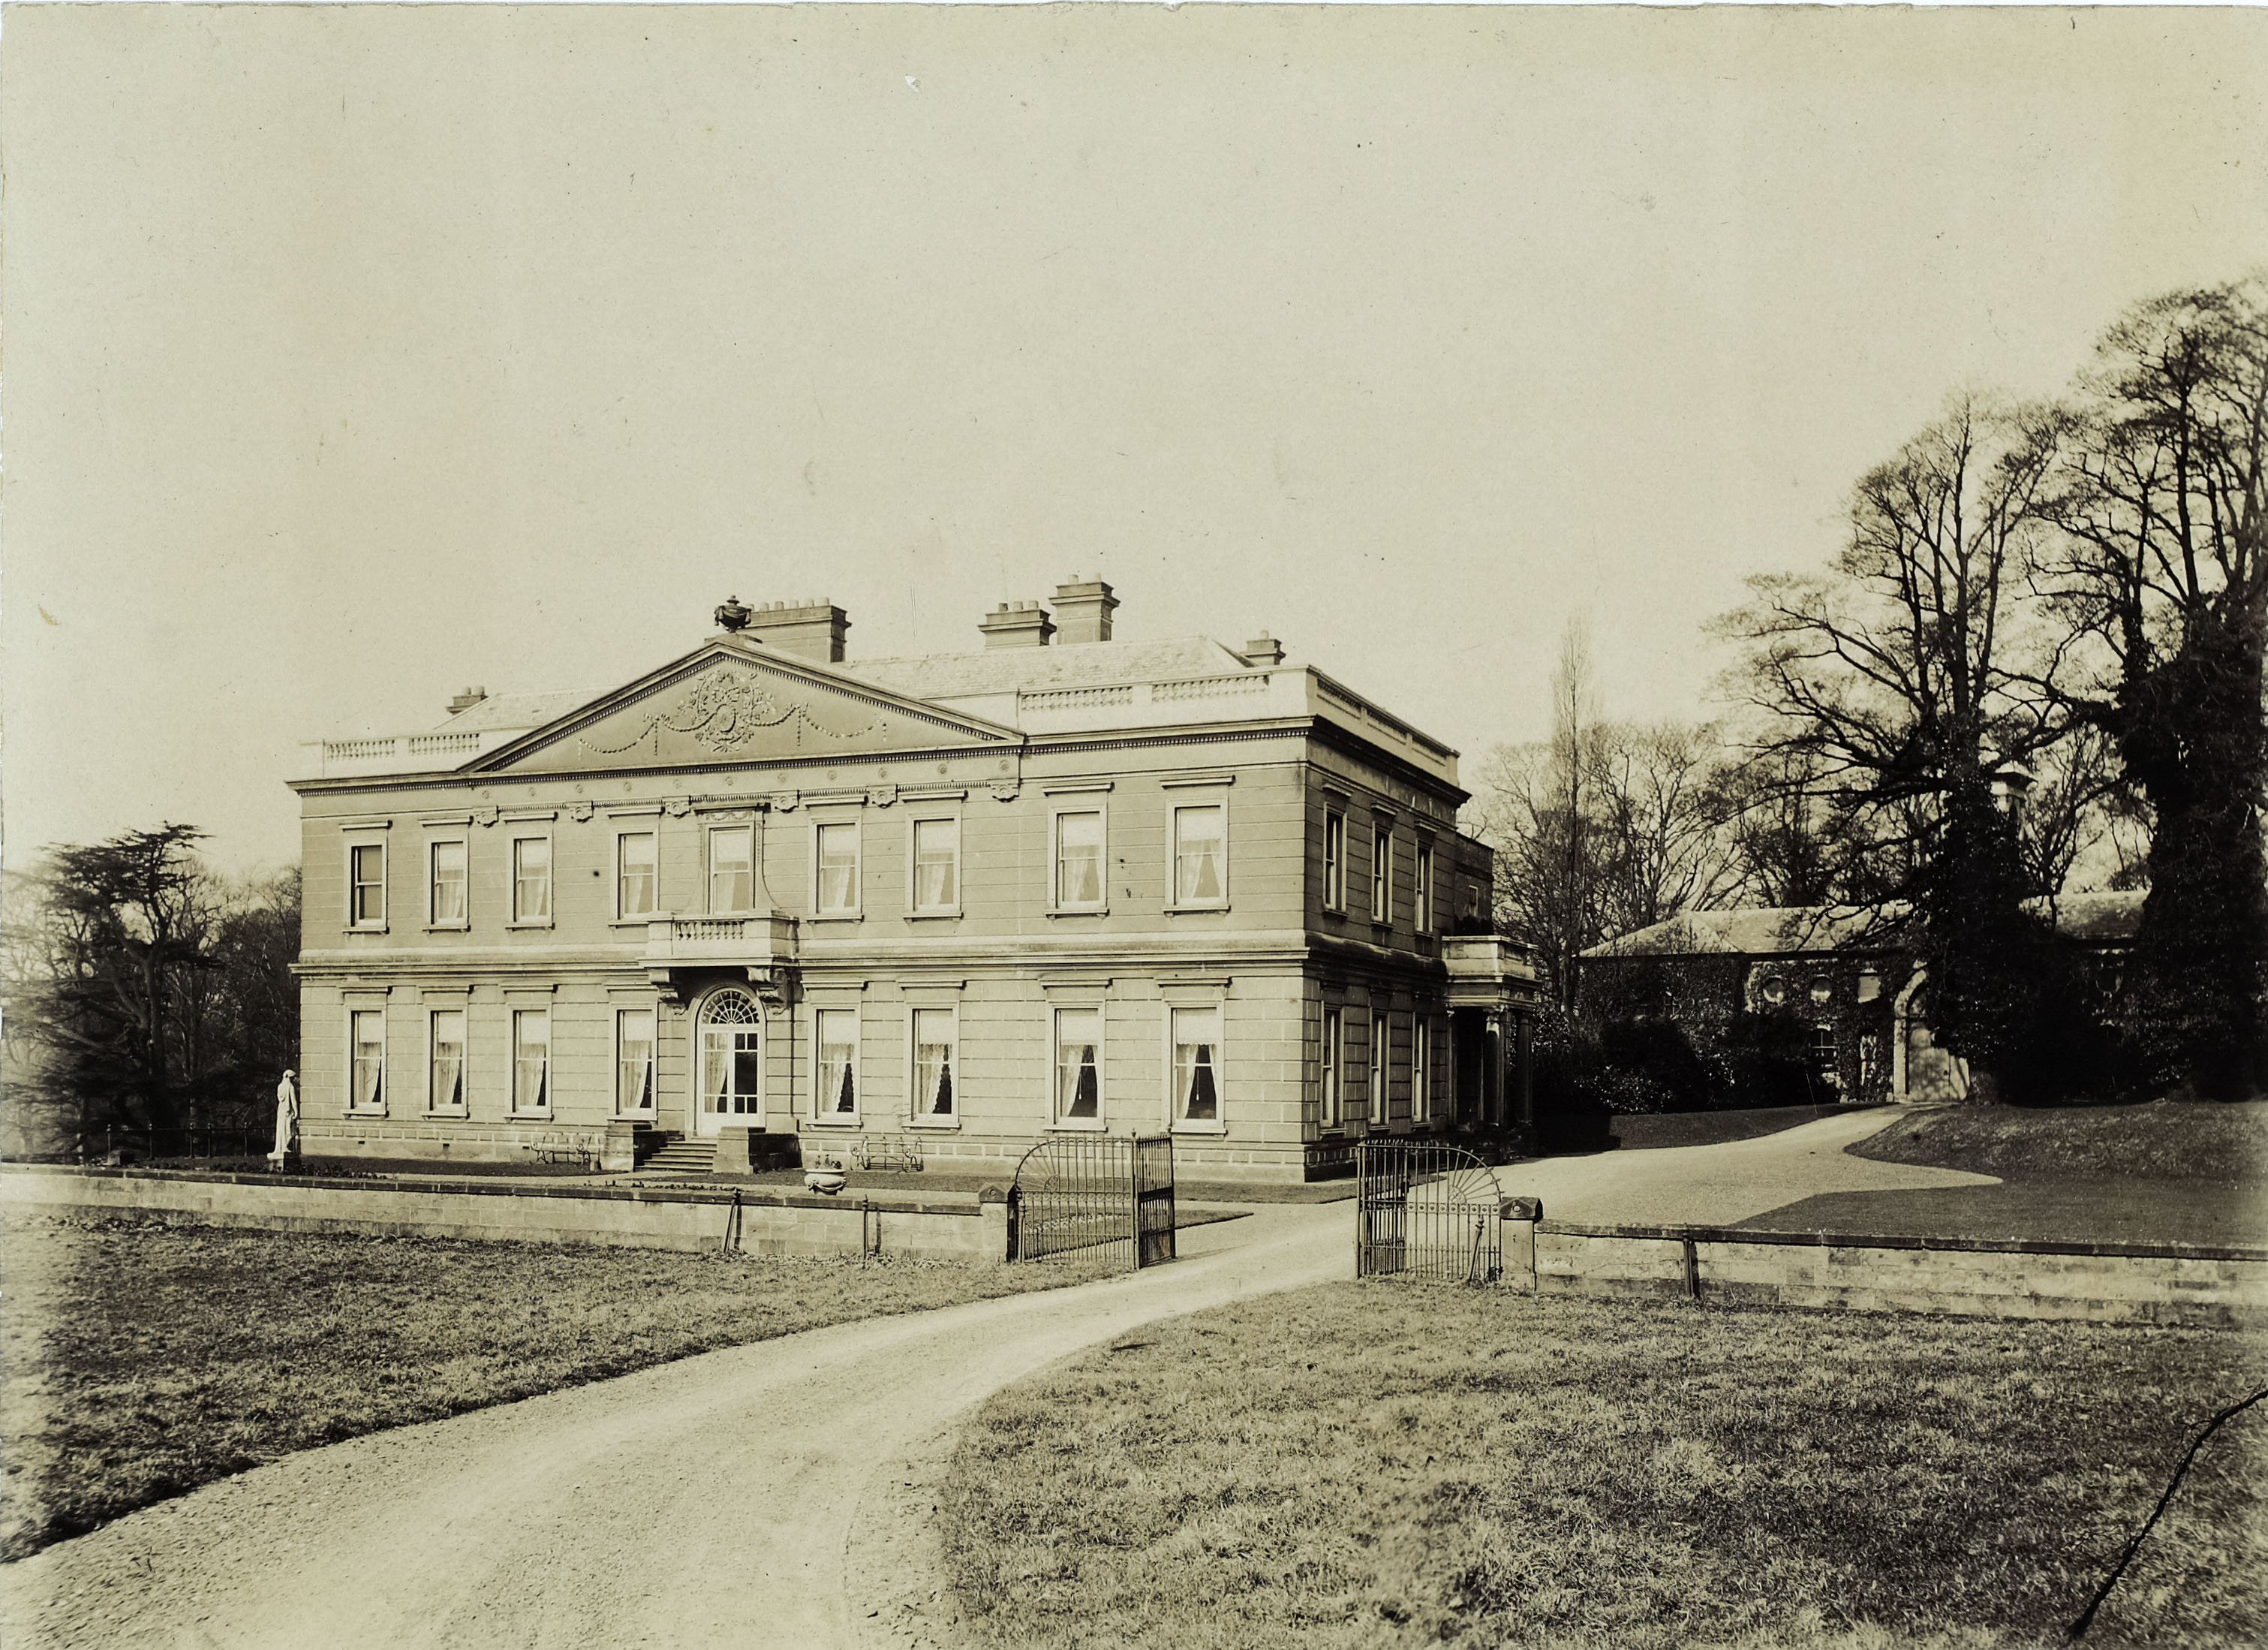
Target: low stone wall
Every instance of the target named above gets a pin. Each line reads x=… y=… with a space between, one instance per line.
x=761 y=1222
x=2135 y=1283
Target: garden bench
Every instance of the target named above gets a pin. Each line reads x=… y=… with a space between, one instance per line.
x=562 y=1146
x=887 y=1151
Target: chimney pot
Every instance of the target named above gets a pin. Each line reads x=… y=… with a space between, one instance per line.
x=1083 y=611
x=1022 y=624
x=809 y=630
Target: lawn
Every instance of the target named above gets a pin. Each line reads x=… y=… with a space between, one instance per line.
x=1384 y=1464
x=2162 y=1140
x=143 y=1360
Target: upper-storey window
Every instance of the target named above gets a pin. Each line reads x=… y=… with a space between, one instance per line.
x=1201 y=855
x=732 y=867
x=1078 y=860
x=835 y=848
x=936 y=865
x=449 y=881
x=531 y=879
x=367 y=885
x=1334 y=861
x=1422 y=899
x=634 y=874
x=1382 y=872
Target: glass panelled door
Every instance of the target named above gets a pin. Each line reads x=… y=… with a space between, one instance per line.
x=730 y=1087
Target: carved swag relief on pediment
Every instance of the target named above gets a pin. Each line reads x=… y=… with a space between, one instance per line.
x=724 y=711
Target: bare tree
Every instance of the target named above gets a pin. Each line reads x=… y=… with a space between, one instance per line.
x=1888 y=692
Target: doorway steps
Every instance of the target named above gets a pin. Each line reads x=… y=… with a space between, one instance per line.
x=678 y=1155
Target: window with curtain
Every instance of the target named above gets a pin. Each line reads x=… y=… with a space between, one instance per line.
x=836 y=1034
x=837 y=850
x=1078 y=859
x=531 y=879
x=1078 y=1064
x=1421 y=1069
x=367 y=885
x=731 y=868
x=1196 y=1064
x=1377 y=1097
x=449 y=879
x=935 y=1034
x=634 y=1029
x=634 y=874
x=1200 y=855
x=531 y=1059
x=937 y=865
x=446 y=1092
x=1335 y=861
x=731 y=1056
x=367 y=1034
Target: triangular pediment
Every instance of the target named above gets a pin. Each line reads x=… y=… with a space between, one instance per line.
x=729 y=703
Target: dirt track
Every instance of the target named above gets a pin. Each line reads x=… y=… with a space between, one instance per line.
x=711 y=1502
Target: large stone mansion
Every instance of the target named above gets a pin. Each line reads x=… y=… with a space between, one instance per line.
x=762 y=895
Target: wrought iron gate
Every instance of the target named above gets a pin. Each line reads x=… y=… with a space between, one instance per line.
x=1108 y=1197
x=1426 y=1210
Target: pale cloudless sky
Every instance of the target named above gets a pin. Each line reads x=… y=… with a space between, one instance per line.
x=353 y=356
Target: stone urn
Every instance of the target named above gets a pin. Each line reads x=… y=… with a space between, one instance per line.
x=825 y=1175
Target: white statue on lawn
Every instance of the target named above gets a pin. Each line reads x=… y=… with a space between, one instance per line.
x=287 y=1125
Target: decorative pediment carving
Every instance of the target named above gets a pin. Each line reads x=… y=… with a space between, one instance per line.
x=731 y=708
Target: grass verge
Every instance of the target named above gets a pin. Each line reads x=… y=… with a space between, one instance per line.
x=2216 y=1214
x=2165 y=1139
x=143 y=1360
x=1388 y=1464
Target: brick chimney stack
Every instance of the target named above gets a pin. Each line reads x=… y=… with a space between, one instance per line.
x=809 y=630
x=1263 y=649
x=467 y=700
x=1017 y=624
x=1083 y=609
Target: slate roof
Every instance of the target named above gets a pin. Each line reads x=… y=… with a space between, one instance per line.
x=1766 y=930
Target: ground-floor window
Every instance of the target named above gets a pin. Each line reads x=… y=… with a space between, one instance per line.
x=1079 y=1065
x=445 y=1091
x=1826 y=1056
x=1421 y=1069
x=1334 y=1046
x=366 y=1032
x=1376 y=1098
x=531 y=1059
x=1196 y=1064
x=936 y=1044
x=634 y=1060
x=836 y=1031
x=731 y=1056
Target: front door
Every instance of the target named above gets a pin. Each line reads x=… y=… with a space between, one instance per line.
x=729 y=1084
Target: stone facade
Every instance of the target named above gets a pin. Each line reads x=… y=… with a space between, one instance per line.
x=977 y=897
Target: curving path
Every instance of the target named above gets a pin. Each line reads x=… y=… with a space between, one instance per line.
x=710 y=1502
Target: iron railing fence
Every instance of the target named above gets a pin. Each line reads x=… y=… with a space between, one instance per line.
x=1426 y=1210
x=1108 y=1197
x=199 y=1141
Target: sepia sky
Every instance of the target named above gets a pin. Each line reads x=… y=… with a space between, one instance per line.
x=352 y=355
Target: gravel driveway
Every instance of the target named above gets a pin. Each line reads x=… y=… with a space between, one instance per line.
x=711 y=1502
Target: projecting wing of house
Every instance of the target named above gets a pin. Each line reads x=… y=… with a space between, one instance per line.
x=736 y=702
